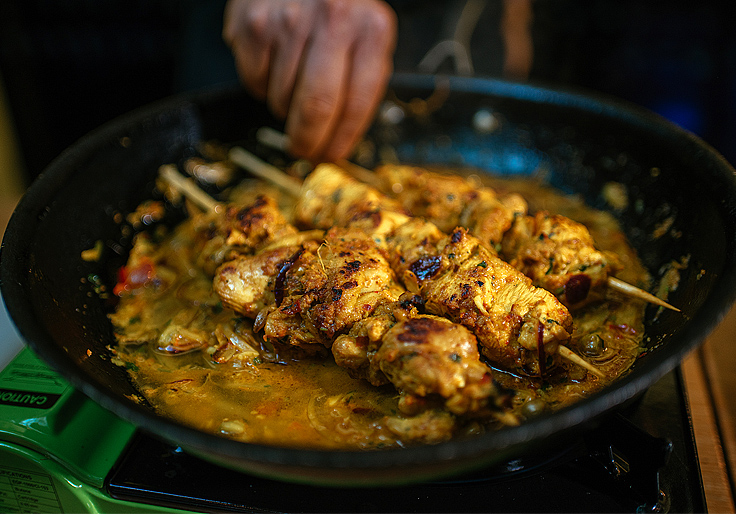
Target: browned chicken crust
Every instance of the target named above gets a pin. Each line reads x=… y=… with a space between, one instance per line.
x=425 y=357
x=329 y=288
x=559 y=255
x=238 y=229
x=429 y=355
x=450 y=201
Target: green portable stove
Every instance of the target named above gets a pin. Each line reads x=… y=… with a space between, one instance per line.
x=56 y=446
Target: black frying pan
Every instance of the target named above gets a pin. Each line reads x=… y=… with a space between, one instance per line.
x=582 y=142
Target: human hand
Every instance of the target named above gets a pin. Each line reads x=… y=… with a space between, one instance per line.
x=323 y=65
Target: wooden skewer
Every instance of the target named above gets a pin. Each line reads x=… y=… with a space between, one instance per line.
x=568 y=354
x=629 y=290
x=278 y=141
x=262 y=169
x=272 y=138
x=187 y=187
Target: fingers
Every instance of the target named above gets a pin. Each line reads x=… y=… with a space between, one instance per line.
x=371 y=67
x=293 y=28
x=342 y=80
x=246 y=31
x=320 y=89
x=321 y=64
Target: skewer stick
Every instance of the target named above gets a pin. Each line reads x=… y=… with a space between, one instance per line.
x=629 y=290
x=262 y=169
x=359 y=172
x=568 y=354
x=279 y=141
x=187 y=187
x=272 y=138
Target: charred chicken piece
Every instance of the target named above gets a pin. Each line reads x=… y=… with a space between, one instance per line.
x=559 y=255
x=518 y=326
x=329 y=288
x=311 y=293
x=450 y=201
x=429 y=355
x=248 y=228
x=246 y=283
x=428 y=358
x=330 y=198
x=239 y=229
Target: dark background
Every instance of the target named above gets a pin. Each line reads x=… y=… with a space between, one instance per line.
x=71 y=66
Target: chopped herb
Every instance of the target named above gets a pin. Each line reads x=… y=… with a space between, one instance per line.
x=482 y=264
x=551 y=265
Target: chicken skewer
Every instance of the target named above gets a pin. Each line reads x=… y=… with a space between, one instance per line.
x=307 y=292
x=533 y=244
x=556 y=252
x=519 y=326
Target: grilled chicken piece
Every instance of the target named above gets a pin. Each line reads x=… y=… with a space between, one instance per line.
x=425 y=357
x=246 y=283
x=239 y=229
x=450 y=201
x=330 y=197
x=429 y=355
x=356 y=350
x=250 y=227
x=327 y=290
x=312 y=293
x=559 y=255
x=518 y=325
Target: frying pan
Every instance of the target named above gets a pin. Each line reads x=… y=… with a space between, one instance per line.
x=580 y=142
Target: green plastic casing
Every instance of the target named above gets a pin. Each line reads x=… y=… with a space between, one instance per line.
x=56 y=445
